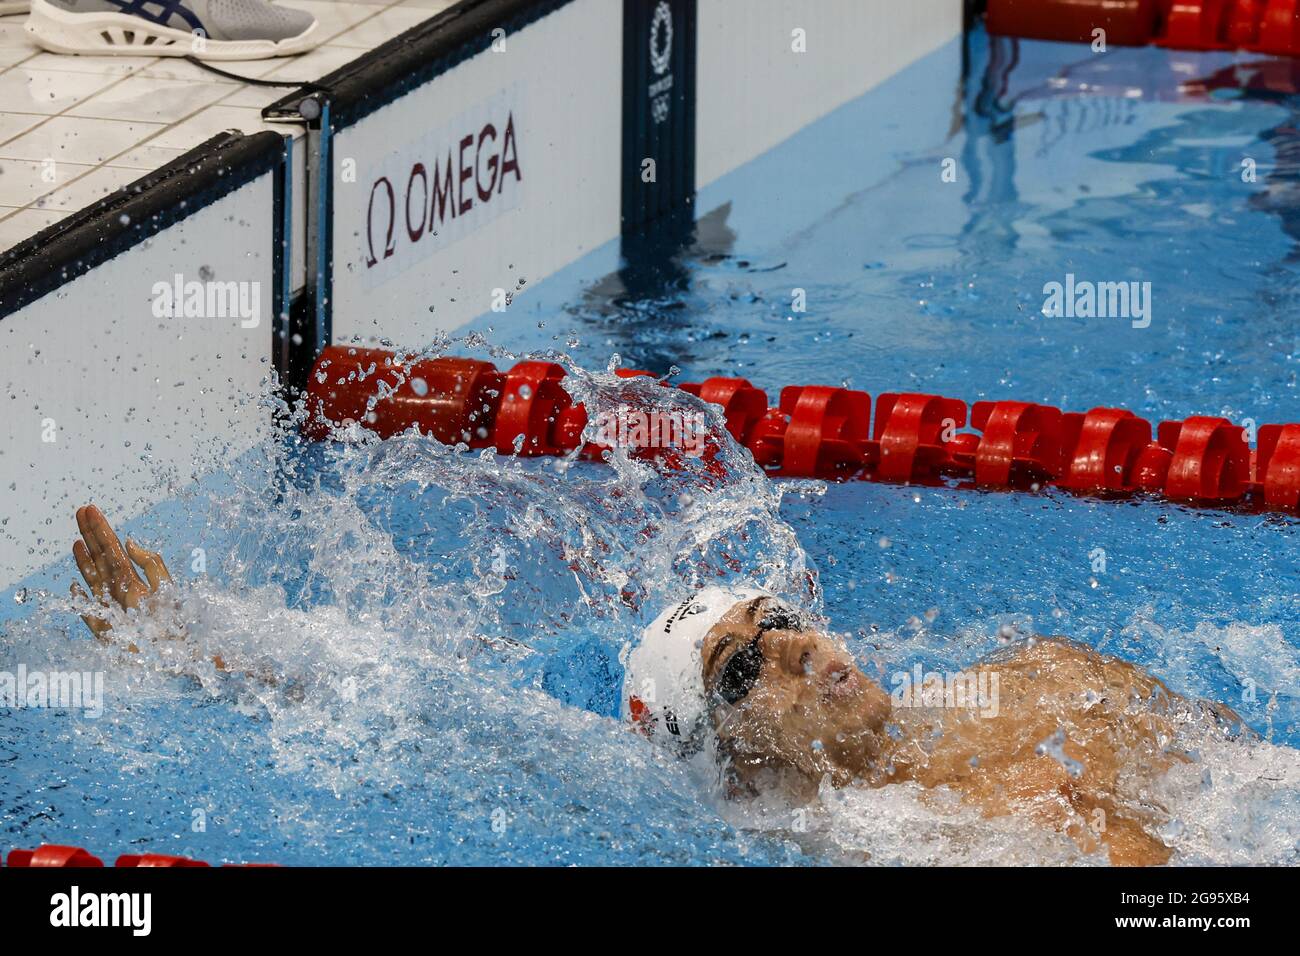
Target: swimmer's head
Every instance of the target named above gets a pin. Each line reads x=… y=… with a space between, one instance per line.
x=777 y=693
x=663 y=690
x=785 y=696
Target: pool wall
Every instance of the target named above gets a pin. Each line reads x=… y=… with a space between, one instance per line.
x=442 y=176
x=755 y=91
x=108 y=398
x=513 y=160
x=504 y=166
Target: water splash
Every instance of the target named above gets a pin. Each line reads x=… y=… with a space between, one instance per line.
x=425 y=641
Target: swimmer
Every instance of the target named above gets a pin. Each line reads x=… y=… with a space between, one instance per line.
x=1071 y=739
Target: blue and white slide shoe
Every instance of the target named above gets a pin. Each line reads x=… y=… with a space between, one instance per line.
x=204 y=29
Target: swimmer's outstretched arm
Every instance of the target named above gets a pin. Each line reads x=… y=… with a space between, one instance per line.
x=108 y=570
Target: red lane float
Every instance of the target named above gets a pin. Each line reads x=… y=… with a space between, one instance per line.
x=1021 y=443
x=532 y=404
x=1279 y=31
x=1101 y=449
x=1126 y=22
x=156 y=861
x=908 y=443
x=819 y=431
x=1197 y=25
x=453 y=399
x=74 y=857
x=1210 y=459
x=1277 y=466
x=52 y=855
x=743 y=405
x=1260 y=26
x=1244 y=23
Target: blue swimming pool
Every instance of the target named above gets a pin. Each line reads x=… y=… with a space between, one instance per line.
x=445 y=629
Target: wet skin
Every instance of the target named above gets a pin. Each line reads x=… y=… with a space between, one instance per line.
x=109 y=569
x=812 y=713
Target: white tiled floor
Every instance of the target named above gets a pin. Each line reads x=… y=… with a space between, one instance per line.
x=74 y=128
x=78 y=139
x=84 y=190
x=382 y=26
x=24 y=182
x=26 y=222
x=207 y=123
x=47 y=92
x=14 y=124
x=150 y=99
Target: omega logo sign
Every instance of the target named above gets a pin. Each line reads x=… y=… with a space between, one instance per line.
x=662 y=24
x=450 y=187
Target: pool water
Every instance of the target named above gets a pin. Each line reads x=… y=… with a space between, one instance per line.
x=443 y=630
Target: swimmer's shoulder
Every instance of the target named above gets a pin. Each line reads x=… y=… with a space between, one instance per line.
x=1045 y=648
x=1064 y=658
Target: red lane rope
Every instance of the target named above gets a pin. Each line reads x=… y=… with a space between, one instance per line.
x=820 y=431
x=74 y=857
x=1260 y=26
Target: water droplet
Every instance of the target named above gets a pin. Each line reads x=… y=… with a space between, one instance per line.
x=1172 y=830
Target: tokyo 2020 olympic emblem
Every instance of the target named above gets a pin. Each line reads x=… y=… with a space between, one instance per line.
x=661 y=37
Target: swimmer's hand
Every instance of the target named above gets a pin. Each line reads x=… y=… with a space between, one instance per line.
x=107 y=568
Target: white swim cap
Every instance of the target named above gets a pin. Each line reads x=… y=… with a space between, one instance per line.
x=663 y=690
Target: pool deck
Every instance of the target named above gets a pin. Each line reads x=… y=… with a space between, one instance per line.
x=75 y=128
